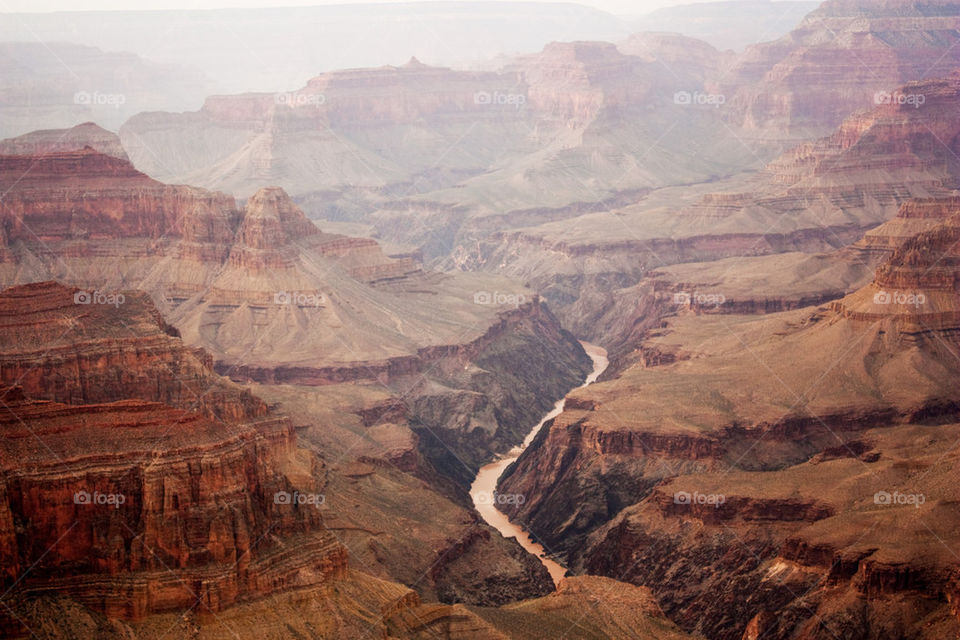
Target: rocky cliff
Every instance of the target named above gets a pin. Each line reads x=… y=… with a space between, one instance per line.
x=274 y=299
x=843 y=57
x=573 y=126
x=743 y=456
x=299 y=139
x=83 y=135
x=136 y=480
x=140 y=493
x=814 y=199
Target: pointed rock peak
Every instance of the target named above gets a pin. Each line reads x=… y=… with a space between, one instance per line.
x=271 y=219
x=413 y=63
x=269 y=202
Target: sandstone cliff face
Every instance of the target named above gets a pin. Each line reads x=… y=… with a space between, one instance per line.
x=413 y=148
x=572 y=82
x=840 y=58
x=275 y=300
x=680 y=475
x=80 y=351
x=918 y=284
x=145 y=483
x=52 y=201
x=93 y=220
x=832 y=562
x=342 y=128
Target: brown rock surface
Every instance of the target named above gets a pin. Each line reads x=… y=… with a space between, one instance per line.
x=437 y=158
x=145 y=483
x=837 y=61
x=785 y=426
x=815 y=199
x=76 y=138
x=77 y=350
x=276 y=300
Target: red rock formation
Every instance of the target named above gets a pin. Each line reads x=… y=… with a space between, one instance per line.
x=387 y=371
x=145 y=483
x=48 y=198
x=843 y=57
x=389 y=134
x=675 y=478
x=919 y=284
x=572 y=82
x=76 y=138
x=290 y=138
x=274 y=299
x=75 y=347
x=816 y=198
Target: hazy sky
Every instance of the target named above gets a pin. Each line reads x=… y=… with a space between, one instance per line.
x=614 y=6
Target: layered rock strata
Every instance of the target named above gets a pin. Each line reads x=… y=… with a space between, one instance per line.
x=134 y=479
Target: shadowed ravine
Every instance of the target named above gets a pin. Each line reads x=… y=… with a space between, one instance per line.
x=482 y=491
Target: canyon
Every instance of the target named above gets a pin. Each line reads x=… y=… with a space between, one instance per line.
x=265 y=291
x=592 y=339
x=792 y=466
x=142 y=250
x=187 y=512
x=483 y=490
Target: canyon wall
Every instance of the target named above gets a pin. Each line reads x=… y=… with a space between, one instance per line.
x=136 y=480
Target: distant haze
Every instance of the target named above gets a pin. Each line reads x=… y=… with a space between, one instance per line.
x=171 y=60
x=634 y=7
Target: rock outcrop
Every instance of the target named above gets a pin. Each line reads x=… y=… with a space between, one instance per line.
x=815 y=199
x=134 y=479
x=300 y=141
x=571 y=128
x=276 y=300
x=763 y=458
x=141 y=493
x=843 y=57
x=76 y=138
